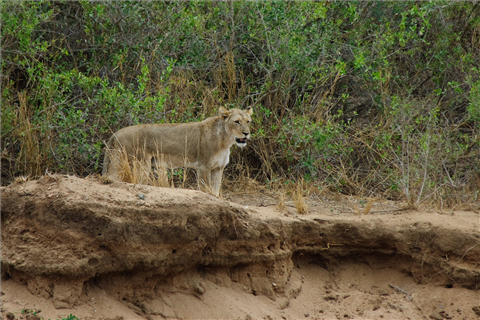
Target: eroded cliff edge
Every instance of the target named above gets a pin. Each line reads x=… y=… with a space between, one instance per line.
x=61 y=234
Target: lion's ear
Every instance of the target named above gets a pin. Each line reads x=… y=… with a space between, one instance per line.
x=224 y=113
x=249 y=111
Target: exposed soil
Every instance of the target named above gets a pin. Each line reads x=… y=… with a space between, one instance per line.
x=111 y=251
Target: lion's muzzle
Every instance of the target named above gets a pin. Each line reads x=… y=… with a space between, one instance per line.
x=241 y=142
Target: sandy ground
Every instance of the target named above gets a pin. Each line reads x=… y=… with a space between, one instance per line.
x=355 y=291
x=366 y=287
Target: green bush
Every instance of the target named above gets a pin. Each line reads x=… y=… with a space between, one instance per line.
x=362 y=97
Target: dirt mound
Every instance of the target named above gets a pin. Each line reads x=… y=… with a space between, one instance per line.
x=69 y=240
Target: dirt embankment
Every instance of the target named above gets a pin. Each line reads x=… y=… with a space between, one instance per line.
x=74 y=242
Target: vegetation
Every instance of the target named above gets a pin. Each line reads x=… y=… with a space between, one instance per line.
x=364 y=98
x=71 y=317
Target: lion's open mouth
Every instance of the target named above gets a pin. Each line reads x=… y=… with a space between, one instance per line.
x=241 y=141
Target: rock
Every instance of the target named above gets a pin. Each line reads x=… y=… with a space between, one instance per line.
x=66 y=292
x=199 y=288
x=476 y=309
x=437 y=315
x=135 y=308
x=295 y=289
x=159 y=307
x=10 y=315
x=141 y=196
x=282 y=303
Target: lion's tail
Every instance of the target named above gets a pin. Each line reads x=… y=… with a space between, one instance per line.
x=106 y=159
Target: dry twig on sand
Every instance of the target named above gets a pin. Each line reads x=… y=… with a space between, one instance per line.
x=402 y=291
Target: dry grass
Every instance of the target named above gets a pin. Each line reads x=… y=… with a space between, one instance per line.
x=133 y=170
x=129 y=171
x=206 y=188
x=29 y=156
x=49 y=178
x=159 y=178
x=368 y=206
x=21 y=179
x=300 y=204
x=105 y=179
x=281 y=201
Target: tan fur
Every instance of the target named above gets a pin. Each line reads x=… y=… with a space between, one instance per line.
x=204 y=146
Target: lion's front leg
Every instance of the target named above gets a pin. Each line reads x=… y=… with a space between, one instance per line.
x=217 y=175
x=204 y=179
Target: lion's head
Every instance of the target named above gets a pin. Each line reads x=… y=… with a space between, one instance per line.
x=238 y=124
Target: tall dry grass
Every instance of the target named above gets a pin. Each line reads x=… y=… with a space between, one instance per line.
x=29 y=158
x=300 y=203
x=131 y=169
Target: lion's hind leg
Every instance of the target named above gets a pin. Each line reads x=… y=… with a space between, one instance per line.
x=113 y=165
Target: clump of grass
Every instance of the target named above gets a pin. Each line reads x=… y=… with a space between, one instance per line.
x=105 y=179
x=281 y=201
x=159 y=177
x=49 y=178
x=368 y=206
x=131 y=169
x=29 y=155
x=206 y=188
x=21 y=179
x=300 y=204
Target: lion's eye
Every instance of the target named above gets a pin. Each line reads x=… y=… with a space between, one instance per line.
x=248 y=122
x=237 y=122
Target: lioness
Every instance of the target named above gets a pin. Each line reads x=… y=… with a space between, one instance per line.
x=204 y=146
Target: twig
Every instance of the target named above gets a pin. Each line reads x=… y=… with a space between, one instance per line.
x=48 y=173
x=403 y=291
x=386 y=204
x=267 y=205
x=234 y=227
x=343 y=208
x=354 y=206
x=431 y=194
x=448 y=175
x=452 y=266
x=387 y=210
x=331 y=244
